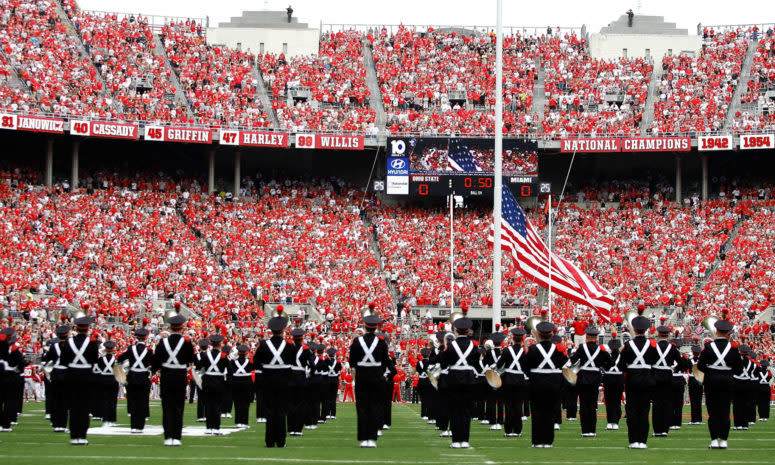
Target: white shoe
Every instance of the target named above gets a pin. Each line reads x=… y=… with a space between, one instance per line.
x=485 y=422
x=445 y=434
x=202 y=420
x=454 y=445
x=48 y=416
x=135 y=431
x=385 y=427
x=379 y=433
x=423 y=418
x=208 y=431
x=228 y=415
x=524 y=418
x=548 y=446
x=364 y=443
x=168 y=442
x=642 y=445
x=556 y=426
x=372 y=443
x=262 y=420
x=674 y=427
x=571 y=419
x=217 y=432
x=465 y=445
x=633 y=445
x=616 y=426
x=495 y=427
x=431 y=422
x=588 y=435
x=176 y=442
x=722 y=444
x=713 y=444
x=609 y=427
x=75 y=442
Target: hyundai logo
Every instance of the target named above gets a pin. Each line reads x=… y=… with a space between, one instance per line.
x=398 y=164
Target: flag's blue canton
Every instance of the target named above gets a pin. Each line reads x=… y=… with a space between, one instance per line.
x=460 y=154
x=513 y=213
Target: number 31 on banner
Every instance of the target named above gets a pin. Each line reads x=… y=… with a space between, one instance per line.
x=305 y=141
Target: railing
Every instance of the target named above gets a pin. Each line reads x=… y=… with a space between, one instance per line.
x=481 y=29
x=155 y=22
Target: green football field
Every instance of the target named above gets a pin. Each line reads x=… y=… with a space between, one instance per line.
x=409 y=441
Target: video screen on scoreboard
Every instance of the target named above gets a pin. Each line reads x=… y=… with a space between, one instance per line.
x=440 y=166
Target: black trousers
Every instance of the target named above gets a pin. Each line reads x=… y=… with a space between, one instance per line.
x=588 y=401
x=367 y=406
x=191 y=391
x=81 y=391
x=494 y=408
x=763 y=400
x=695 y=400
x=226 y=401
x=200 y=403
x=109 y=396
x=6 y=404
x=460 y=415
x=513 y=397
x=213 y=391
x=544 y=399
x=16 y=400
x=570 y=401
x=387 y=404
x=442 y=409
x=637 y=408
x=276 y=402
x=678 y=388
x=612 y=391
x=739 y=407
x=663 y=406
x=297 y=408
x=242 y=394
x=313 y=403
x=173 y=400
x=47 y=393
x=718 y=396
x=59 y=401
x=260 y=409
x=326 y=408
x=753 y=389
x=139 y=411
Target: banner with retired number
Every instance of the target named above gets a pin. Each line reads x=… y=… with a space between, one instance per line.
x=109 y=130
x=32 y=123
x=178 y=134
x=757 y=141
x=705 y=143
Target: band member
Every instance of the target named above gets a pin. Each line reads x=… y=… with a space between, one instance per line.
x=638 y=356
x=107 y=384
x=79 y=355
x=173 y=356
x=763 y=391
x=226 y=399
x=317 y=373
x=442 y=394
x=592 y=359
x=204 y=345
x=667 y=357
x=12 y=362
x=138 y=381
x=678 y=386
x=332 y=385
x=741 y=392
x=240 y=373
x=460 y=358
x=613 y=387
x=58 y=387
x=695 y=390
x=258 y=382
x=494 y=397
x=543 y=364
x=215 y=366
x=368 y=357
x=719 y=360
x=753 y=388
x=386 y=413
x=297 y=383
x=514 y=383
x=274 y=358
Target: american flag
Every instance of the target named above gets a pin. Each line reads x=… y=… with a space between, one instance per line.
x=460 y=158
x=531 y=257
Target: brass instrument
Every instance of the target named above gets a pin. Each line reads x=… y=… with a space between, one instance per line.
x=493 y=377
x=698 y=374
x=570 y=373
x=531 y=324
x=197 y=376
x=119 y=373
x=709 y=323
x=628 y=317
x=434 y=371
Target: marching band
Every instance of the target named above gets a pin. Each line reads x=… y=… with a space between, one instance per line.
x=295 y=381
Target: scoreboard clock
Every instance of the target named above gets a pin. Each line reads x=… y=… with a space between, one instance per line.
x=469 y=185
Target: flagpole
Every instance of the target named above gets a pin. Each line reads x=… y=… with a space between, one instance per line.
x=451 y=254
x=498 y=174
x=549 y=244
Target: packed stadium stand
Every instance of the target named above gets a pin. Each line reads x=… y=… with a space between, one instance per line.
x=125 y=242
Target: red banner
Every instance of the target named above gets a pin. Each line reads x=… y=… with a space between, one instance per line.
x=32 y=123
x=173 y=134
x=596 y=145
x=105 y=129
x=657 y=144
x=263 y=139
x=339 y=142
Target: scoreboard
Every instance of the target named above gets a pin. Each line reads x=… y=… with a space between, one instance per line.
x=437 y=167
x=469 y=185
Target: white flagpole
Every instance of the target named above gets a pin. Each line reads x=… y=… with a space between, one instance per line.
x=549 y=225
x=498 y=174
x=451 y=254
